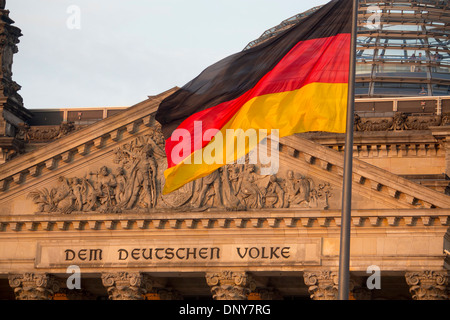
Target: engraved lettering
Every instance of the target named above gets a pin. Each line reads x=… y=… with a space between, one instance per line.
x=253 y=252
x=169 y=253
x=135 y=254
x=70 y=255
x=273 y=252
x=123 y=257
x=242 y=255
x=156 y=253
x=82 y=254
x=203 y=253
x=285 y=252
x=193 y=253
x=149 y=257
x=217 y=250
x=94 y=254
x=178 y=256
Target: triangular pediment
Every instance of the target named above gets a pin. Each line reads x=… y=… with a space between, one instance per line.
x=117 y=164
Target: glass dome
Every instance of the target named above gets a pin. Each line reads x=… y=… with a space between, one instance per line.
x=402 y=47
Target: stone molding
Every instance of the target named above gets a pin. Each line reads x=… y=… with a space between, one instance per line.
x=31 y=286
x=260 y=219
x=323 y=285
x=428 y=285
x=230 y=285
x=127 y=285
x=44 y=133
x=405 y=192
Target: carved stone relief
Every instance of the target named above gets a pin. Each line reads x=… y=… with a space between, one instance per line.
x=229 y=285
x=43 y=133
x=428 y=285
x=399 y=122
x=136 y=182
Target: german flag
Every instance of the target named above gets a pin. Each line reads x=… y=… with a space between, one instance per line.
x=295 y=82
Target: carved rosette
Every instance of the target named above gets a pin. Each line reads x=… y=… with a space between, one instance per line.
x=428 y=285
x=127 y=286
x=30 y=286
x=322 y=285
x=229 y=285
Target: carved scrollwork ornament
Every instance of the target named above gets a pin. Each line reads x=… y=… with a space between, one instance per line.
x=322 y=285
x=229 y=285
x=30 y=286
x=428 y=285
x=127 y=286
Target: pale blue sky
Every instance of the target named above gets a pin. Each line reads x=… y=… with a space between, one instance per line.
x=127 y=50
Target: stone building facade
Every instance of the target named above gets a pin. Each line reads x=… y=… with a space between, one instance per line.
x=85 y=199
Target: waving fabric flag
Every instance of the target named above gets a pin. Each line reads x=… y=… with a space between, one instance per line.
x=295 y=82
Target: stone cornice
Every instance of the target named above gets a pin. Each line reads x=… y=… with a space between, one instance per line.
x=365 y=173
x=270 y=218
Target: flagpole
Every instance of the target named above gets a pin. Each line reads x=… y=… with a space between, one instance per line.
x=344 y=255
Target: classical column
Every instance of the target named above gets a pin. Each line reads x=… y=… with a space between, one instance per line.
x=323 y=285
x=229 y=285
x=127 y=286
x=31 y=286
x=428 y=285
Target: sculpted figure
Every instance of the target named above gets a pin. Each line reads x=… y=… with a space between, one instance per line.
x=400 y=122
x=141 y=184
x=77 y=190
x=247 y=190
x=121 y=180
x=210 y=186
x=297 y=190
x=104 y=186
x=64 y=197
x=274 y=194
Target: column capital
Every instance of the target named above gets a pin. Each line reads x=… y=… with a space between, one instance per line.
x=126 y=285
x=323 y=285
x=428 y=285
x=31 y=286
x=230 y=285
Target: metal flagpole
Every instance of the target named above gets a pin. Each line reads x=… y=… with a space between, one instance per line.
x=344 y=255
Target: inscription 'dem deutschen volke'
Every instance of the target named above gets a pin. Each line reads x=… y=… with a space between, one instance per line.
x=182 y=253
